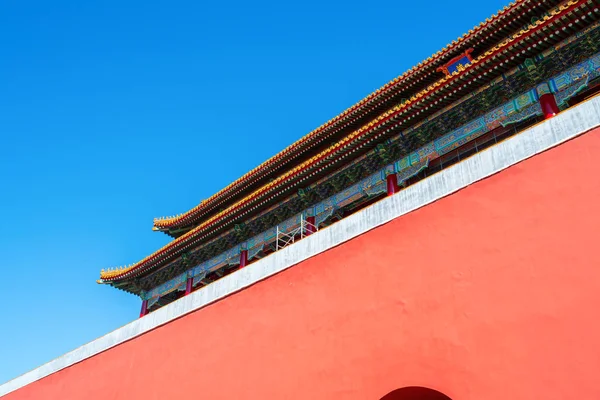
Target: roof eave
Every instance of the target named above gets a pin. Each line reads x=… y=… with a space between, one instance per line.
x=187 y=220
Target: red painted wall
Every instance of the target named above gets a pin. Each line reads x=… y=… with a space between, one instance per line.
x=491 y=293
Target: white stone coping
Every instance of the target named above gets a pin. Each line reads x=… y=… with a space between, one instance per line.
x=539 y=138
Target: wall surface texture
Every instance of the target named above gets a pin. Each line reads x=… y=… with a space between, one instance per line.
x=488 y=293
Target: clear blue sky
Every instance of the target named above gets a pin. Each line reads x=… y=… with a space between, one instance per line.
x=115 y=112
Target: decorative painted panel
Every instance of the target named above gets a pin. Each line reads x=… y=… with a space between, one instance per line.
x=166 y=288
x=585 y=70
x=457 y=64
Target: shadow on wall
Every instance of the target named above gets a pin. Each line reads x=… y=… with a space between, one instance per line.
x=415 y=393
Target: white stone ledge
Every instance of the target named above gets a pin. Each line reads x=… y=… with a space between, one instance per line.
x=539 y=138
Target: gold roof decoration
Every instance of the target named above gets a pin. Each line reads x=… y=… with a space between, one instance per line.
x=163 y=222
x=181 y=241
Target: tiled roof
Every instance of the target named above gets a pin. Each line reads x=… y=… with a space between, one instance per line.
x=216 y=200
x=311 y=166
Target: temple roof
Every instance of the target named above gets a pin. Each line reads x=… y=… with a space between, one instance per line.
x=440 y=94
x=481 y=37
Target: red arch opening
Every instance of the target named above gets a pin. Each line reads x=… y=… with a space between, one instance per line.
x=415 y=393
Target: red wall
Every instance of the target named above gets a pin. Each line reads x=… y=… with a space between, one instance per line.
x=491 y=293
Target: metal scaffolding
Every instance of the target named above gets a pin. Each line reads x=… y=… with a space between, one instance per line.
x=286 y=238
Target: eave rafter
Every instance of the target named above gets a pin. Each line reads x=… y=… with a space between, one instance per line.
x=483 y=68
x=418 y=75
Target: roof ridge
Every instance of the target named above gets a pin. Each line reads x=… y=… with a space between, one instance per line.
x=165 y=222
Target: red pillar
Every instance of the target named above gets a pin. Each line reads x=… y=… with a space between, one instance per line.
x=144 y=309
x=243 y=258
x=392 y=184
x=310 y=225
x=188 y=285
x=549 y=106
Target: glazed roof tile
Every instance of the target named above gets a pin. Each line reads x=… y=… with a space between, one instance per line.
x=187 y=217
x=192 y=237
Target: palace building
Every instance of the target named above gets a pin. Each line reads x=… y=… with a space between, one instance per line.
x=527 y=63
x=435 y=241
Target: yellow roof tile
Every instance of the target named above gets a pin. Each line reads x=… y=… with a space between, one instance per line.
x=119 y=272
x=164 y=222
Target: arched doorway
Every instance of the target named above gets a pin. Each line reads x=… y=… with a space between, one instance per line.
x=415 y=393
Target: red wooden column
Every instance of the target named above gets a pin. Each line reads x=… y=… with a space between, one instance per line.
x=392 y=184
x=549 y=106
x=310 y=227
x=188 y=285
x=243 y=258
x=144 y=309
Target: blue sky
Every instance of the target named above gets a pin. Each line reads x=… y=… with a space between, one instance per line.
x=115 y=112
